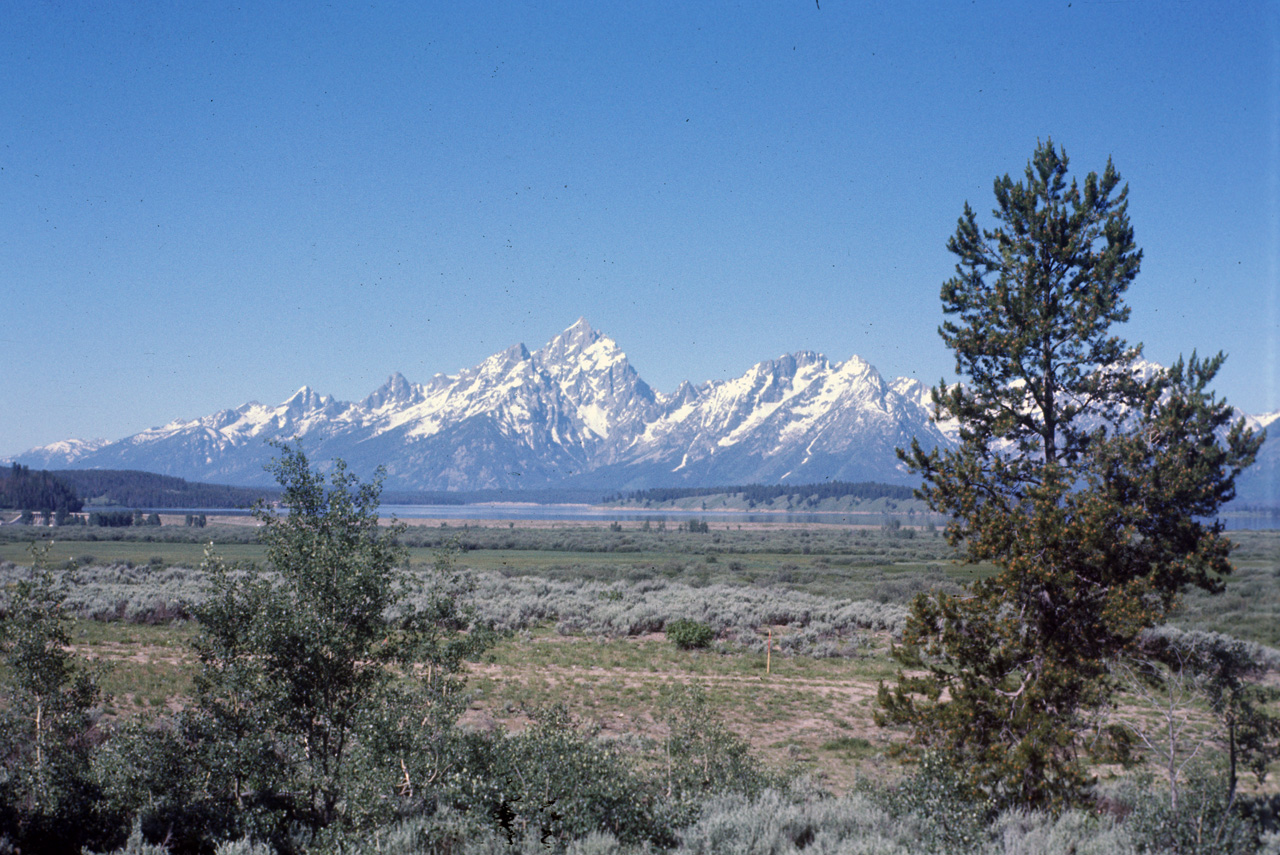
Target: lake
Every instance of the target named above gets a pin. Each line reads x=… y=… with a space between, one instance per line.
x=1252 y=520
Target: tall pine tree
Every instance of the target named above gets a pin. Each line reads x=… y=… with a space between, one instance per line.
x=1088 y=477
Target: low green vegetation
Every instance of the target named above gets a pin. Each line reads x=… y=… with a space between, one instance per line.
x=689 y=634
x=580 y=688
x=582 y=654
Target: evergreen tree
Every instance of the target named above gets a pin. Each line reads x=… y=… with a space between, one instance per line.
x=36 y=491
x=1086 y=476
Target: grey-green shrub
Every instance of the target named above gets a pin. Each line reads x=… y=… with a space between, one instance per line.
x=1075 y=832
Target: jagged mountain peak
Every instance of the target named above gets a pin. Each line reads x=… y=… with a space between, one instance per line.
x=602 y=394
x=685 y=393
x=909 y=386
x=568 y=348
x=1263 y=421
x=580 y=331
x=516 y=353
x=501 y=363
x=790 y=363
x=855 y=364
x=306 y=399
x=397 y=392
x=573 y=412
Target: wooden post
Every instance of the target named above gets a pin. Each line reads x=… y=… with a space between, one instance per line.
x=768 y=656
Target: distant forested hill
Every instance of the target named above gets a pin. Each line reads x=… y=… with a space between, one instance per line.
x=133 y=489
x=476 y=497
x=758 y=494
x=24 y=490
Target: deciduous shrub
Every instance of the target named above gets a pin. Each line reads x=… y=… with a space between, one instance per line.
x=689 y=634
x=555 y=782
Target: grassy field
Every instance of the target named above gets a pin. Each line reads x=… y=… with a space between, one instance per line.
x=804 y=714
x=800 y=712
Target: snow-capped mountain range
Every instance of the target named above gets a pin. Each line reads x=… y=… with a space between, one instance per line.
x=573 y=413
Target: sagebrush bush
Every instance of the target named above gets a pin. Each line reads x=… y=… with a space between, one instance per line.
x=779 y=823
x=1074 y=832
x=951 y=816
x=701 y=757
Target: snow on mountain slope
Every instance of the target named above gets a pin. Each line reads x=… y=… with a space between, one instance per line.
x=798 y=417
x=574 y=412
x=62 y=454
x=1264 y=421
x=602 y=392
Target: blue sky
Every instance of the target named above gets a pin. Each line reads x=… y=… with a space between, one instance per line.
x=206 y=204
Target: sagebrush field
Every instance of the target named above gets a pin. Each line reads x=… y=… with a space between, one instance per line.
x=804 y=619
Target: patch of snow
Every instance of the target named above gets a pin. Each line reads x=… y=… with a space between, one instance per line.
x=1266 y=419
x=596 y=418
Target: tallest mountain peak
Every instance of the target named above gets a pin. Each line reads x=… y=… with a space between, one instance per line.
x=580 y=333
x=575 y=340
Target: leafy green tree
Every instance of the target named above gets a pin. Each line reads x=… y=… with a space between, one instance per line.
x=1086 y=476
x=310 y=710
x=48 y=717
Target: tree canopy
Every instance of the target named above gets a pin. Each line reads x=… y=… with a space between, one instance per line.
x=1089 y=477
x=36 y=491
x=323 y=691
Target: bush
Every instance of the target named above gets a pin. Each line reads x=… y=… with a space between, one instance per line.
x=1207 y=820
x=555 y=782
x=689 y=634
x=702 y=757
x=782 y=823
x=953 y=816
x=49 y=709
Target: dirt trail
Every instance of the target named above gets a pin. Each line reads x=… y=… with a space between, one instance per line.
x=636 y=677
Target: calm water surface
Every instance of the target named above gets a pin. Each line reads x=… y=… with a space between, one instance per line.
x=590 y=513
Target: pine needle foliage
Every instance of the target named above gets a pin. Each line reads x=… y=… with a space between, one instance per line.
x=1087 y=476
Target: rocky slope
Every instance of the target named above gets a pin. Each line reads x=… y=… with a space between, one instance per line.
x=573 y=413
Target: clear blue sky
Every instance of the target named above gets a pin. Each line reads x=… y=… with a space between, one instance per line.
x=205 y=204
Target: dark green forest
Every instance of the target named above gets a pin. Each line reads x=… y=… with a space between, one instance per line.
x=759 y=493
x=134 y=489
x=22 y=489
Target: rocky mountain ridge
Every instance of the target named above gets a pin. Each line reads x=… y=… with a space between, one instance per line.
x=574 y=413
